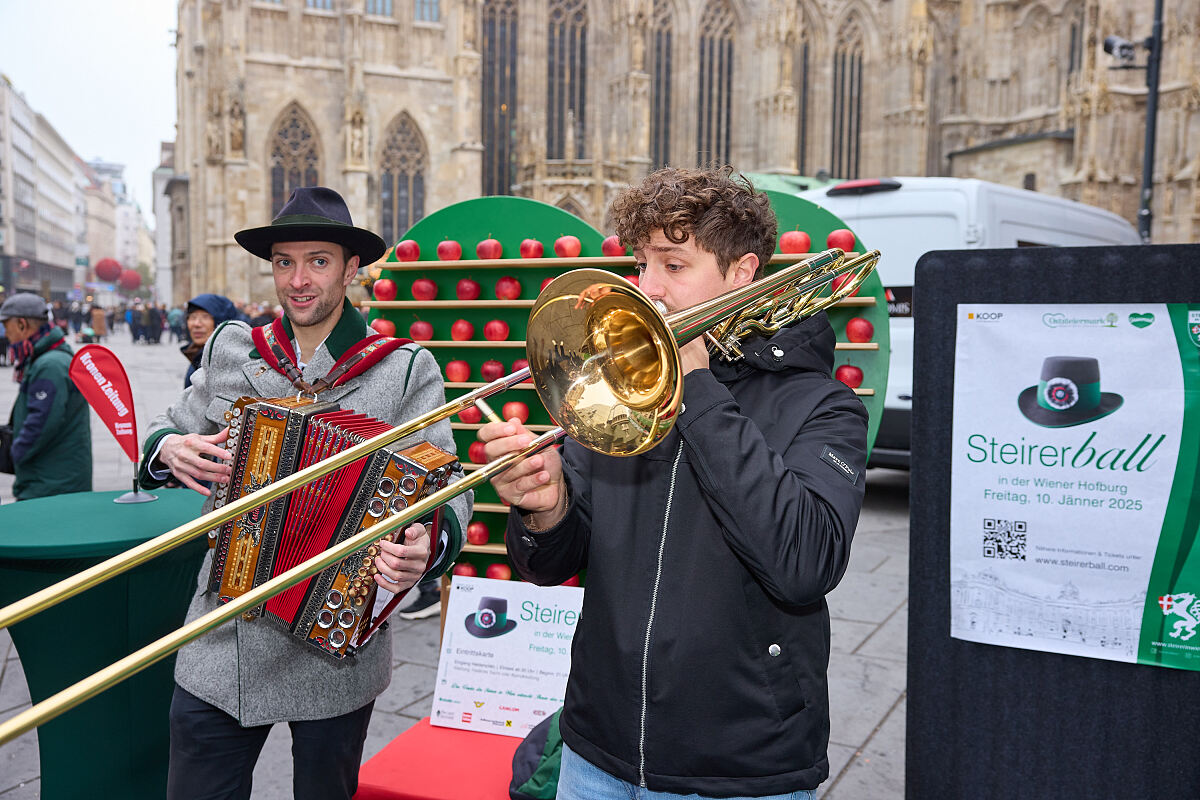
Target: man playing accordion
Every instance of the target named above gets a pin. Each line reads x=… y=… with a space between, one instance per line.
x=233 y=684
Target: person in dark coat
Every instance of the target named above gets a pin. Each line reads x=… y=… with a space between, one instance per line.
x=699 y=663
x=205 y=313
x=52 y=439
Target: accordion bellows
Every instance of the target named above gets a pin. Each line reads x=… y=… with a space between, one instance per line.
x=273 y=438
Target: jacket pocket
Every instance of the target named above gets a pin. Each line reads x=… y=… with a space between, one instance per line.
x=217 y=408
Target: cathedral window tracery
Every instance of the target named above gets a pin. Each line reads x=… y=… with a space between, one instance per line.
x=566 y=80
x=402 y=178
x=295 y=159
x=499 y=127
x=846 y=117
x=716 y=83
x=661 y=33
x=800 y=78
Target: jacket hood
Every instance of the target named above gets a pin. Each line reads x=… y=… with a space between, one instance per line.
x=221 y=307
x=806 y=346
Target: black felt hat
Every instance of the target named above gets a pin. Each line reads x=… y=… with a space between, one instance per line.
x=491 y=619
x=1068 y=393
x=313 y=214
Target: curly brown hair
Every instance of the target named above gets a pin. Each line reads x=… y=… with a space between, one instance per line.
x=720 y=208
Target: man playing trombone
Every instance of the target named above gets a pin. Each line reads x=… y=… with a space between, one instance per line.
x=234 y=683
x=699 y=662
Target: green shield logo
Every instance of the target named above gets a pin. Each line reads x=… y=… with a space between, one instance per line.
x=1141 y=320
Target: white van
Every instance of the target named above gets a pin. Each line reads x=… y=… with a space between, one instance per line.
x=906 y=217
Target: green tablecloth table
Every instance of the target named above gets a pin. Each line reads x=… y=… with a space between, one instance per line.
x=114 y=745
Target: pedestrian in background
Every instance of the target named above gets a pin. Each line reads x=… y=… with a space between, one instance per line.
x=175 y=319
x=52 y=440
x=205 y=313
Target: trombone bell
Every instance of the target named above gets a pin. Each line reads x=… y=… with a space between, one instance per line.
x=604 y=362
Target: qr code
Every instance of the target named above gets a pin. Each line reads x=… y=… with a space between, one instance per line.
x=1004 y=538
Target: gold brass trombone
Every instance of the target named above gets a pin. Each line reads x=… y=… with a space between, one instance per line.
x=605 y=363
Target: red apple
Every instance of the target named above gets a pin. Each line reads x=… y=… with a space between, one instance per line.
x=850 y=375
x=571 y=581
x=496 y=330
x=611 y=246
x=491 y=370
x=546 y=283
x=466 y=569
x=500 y=572
x=461 y=330
x=489 y=248
x=408 y=250
x=859 y=330
x=384 y=326
x=841 y=279
x=467 y=289
x=424 y=289
x=531 y=248
x=567 y=246
x=508 y=288
x=515 y=409
x=795 y=242
x=449 y=250
x=634 y=279
x=471 y=415
x=385 y=289
x=478 y=533
x=420 y=331
x=520 y=364
x=842 y=238
x=477 y=452
x=458 y=371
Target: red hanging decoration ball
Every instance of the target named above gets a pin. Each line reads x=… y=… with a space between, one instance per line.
x=130 y=279
x=108 y=269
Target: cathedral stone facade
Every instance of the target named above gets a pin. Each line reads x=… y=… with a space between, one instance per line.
x=406 y=106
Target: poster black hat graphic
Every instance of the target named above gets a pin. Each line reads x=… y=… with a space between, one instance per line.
x=491 y=619
x=1068 y=393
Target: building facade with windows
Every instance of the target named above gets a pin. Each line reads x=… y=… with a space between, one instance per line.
x=42 y=218
x=406 y=106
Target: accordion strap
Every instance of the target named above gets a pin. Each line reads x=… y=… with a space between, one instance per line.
x=273 y=344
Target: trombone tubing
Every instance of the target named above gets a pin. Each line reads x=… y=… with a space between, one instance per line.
x=113 y=674
x=135 y=556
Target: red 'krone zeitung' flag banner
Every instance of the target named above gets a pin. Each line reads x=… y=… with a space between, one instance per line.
x=102 y=381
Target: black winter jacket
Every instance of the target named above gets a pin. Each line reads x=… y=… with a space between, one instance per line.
x=699 y=662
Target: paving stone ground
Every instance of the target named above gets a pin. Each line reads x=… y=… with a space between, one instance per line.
x=869 y=629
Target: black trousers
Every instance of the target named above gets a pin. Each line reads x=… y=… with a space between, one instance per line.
x=213 y=757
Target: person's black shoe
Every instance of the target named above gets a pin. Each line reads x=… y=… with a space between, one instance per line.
x=429 y=603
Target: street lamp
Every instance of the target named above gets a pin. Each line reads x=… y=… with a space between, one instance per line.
x=1123 y=51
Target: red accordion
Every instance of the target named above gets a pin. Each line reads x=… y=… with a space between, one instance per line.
x=273 y=438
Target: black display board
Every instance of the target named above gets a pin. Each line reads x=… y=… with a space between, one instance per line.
x=996 y=722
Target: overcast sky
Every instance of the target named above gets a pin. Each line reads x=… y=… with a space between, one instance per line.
x=102 y=72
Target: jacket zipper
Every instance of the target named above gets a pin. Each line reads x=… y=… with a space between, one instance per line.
x=650 y=620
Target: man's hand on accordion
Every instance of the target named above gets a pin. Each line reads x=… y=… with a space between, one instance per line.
x=185 y=455
x=401 y=564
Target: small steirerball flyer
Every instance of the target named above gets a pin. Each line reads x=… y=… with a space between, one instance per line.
x=506 y=654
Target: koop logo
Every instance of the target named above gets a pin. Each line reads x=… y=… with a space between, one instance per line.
x=985 y=316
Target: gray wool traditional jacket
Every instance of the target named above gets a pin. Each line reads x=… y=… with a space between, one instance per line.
x=255 y=670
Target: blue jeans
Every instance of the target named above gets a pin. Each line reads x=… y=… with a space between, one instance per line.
x=579 y=779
